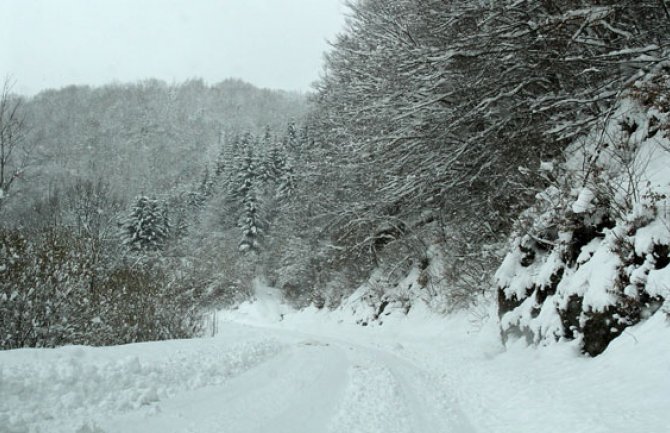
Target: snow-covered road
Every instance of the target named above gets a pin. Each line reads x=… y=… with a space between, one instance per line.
x=310 y=385
x=313 y=372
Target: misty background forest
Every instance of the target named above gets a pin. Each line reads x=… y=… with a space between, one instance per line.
x=437 y=143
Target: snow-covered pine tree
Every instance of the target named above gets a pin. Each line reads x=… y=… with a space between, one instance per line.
x=251 y=221
x=292 y=140
x=251 y=224
x=269 y=163
x=247 y=168
x=228 y=168
x=147 y=227
x=286 y=181
x=221 y=156
x=305 y=137
x=204 y=190
x=229 y=145
x=284 y=163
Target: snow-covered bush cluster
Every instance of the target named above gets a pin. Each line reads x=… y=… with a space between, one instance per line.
x=591 y=257
x=57 y=288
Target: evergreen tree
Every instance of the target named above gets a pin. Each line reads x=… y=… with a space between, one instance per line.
x=229 y=149
x=247 y=171
x=286 y=181
x=269 y=165
x=305 y=138
x=292 y=140
x=147 y=227
x=284 y=163
x=221 y=157
x=251 y=221
x=204 y=190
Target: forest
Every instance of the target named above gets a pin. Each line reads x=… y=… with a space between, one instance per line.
x=482 y=146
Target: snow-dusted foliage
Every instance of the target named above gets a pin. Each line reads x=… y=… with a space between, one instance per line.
x=590 y=258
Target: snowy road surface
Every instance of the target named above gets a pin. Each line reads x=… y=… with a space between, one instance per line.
x=309 y=373
x=310 y=386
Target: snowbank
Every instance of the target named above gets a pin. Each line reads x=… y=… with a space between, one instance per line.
x=52 y=390
x=590 y=258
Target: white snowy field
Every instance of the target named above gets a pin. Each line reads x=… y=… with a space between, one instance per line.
x=316 y=372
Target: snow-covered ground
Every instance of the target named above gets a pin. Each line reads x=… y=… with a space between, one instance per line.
x=272 y=370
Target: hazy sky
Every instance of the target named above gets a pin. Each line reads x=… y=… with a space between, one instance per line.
x=270 y=43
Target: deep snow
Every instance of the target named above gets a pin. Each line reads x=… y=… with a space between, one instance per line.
x=270 y=369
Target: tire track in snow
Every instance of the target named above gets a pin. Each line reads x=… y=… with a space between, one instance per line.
x=386 y=393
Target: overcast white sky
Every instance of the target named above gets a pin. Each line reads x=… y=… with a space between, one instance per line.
x=270 y=43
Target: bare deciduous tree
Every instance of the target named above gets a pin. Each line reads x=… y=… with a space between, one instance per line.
x=13 y=151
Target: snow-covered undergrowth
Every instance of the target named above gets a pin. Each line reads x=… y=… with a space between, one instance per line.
x=591 y=257
x=391 y=290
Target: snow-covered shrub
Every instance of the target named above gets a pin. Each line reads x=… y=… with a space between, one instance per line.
x=57 y=288
x=140 y=304
x=44 y=298
x=590 y=257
